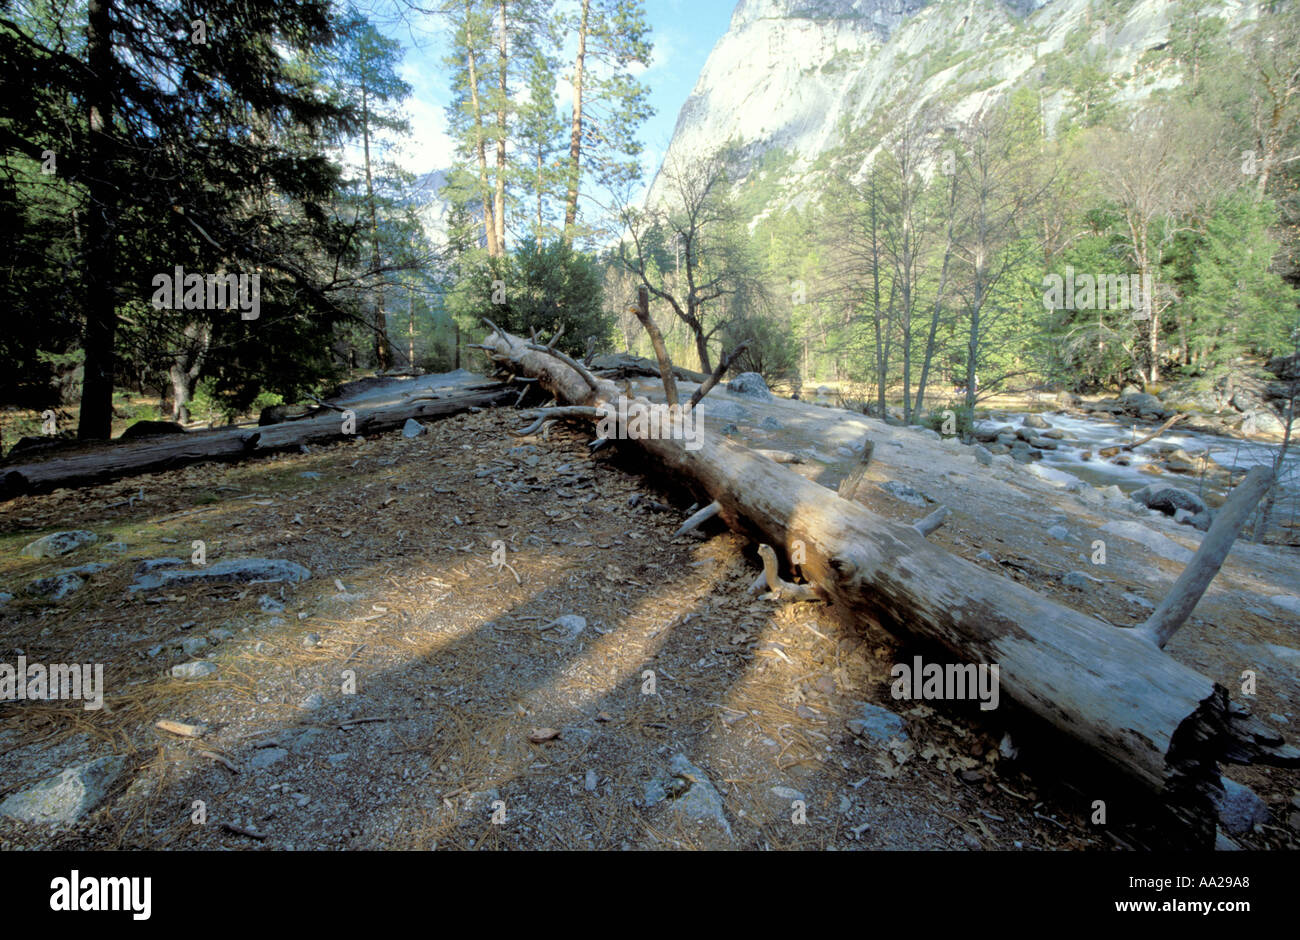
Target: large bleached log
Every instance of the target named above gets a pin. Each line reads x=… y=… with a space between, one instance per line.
x=1161 y=723
x=100 y=463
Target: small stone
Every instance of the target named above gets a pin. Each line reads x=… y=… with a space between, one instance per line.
x=309 y=475
x=566 y=628
x=1078 y=580
x=195 y=670
x=220 y=634
x=876 y=723
x=1059 y=532
x=412 y=428
x=311 y=640
x=907 y=494
x=270 y=605
x=985 y=556
x=312 y=702
x=590 y=781
x=266 y=757
x=191 y=645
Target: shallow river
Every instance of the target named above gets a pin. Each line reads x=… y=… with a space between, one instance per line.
x=1093 y=433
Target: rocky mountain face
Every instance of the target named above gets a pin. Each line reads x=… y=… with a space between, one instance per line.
x=432 y=208
x=788 y=72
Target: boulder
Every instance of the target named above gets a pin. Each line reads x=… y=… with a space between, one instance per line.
x=1239 y=808
x=1180 y=461
x=228 y=571
x=66 y=797
x=58 y=543
x=1141 y=402
x=750 y=384
x=1035 y=421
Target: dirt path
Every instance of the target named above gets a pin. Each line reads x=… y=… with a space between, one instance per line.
x=465 y=708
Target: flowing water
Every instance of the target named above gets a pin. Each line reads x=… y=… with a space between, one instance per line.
x=1094 y=433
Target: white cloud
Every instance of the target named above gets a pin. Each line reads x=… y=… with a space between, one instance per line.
x=429 y=147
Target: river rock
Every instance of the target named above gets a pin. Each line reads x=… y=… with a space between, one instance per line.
x=1141 y=402
x=989 y=435
x=1035 y=421
x=1023 y=453
x=1168 y=499
x=1180 y=461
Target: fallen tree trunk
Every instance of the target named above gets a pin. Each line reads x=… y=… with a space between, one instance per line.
x=1161 y=723
x=104 y=462
x=625 y=365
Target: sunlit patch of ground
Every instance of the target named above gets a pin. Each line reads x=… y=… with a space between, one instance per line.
x=465 y=709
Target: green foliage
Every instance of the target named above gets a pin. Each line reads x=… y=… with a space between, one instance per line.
x=963 y=422
x=771 y=350
x=541 y=289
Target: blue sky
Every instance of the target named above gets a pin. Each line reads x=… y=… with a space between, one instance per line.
x=683 y=33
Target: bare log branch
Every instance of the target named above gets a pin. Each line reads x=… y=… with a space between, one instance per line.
x=642 y=311
x=552 y=414
x=849 y=485
x=699 y=518
x=1154 y=434
x=1200 y=571
x=717 y=375
x=795 y=592
x=933 y=521
x=569 y=361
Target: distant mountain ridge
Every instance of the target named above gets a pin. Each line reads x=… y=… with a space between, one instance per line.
x=788 y=72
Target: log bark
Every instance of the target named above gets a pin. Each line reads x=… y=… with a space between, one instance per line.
x=99 y=464
x=1162 y=724
x=625 y=365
